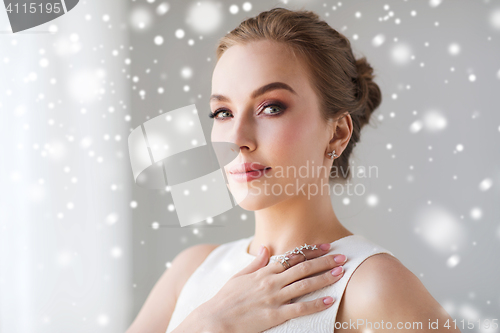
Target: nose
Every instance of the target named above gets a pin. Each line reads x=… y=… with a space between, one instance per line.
x=242 y=133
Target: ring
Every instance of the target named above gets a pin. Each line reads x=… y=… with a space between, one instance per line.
x=305 y=246
x=284 y=259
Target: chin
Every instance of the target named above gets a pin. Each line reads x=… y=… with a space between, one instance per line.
x=252 y=203
x=252 y=199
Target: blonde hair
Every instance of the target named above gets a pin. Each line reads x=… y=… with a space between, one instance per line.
x=342 y=83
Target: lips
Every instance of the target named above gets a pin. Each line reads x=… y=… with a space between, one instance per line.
x=247 y=167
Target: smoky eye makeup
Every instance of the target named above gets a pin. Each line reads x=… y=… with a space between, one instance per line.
x=277 y=105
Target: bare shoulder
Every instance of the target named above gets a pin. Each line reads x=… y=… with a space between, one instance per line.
x=157 y=310
x=382 y=288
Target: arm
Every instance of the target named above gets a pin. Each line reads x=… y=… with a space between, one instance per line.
x=382 y=288
x=157 y=310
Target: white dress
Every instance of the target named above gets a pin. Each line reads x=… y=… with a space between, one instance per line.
x=229 y=258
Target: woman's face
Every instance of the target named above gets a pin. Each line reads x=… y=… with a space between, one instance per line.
x=279 y=128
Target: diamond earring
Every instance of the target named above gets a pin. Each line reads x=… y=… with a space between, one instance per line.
x=333 y=155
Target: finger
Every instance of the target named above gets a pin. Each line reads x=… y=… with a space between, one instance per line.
x=294 y=310
x=319 y=250
x=306 y=286
x=311 y=268
x=260 y=261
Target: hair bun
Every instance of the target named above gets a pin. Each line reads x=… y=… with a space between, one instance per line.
x=368 y=92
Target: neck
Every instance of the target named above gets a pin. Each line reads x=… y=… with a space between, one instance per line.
x=296 y=221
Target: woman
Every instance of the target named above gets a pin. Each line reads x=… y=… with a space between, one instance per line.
x=289 y=92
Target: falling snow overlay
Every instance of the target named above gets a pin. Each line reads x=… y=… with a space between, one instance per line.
x=82 y=245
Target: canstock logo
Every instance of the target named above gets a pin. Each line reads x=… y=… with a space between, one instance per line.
x=25 y=14
x=170 y=152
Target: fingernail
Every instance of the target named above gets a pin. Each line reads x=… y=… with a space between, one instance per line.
x=328 y=300
x=261 y=249
x=325 y=247
x=337 y=270
x=340 y=258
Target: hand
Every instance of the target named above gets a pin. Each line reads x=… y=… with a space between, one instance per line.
x=258 y=297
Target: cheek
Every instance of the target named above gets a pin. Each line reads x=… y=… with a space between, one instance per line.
x=294 y=140
x=219 y=134
x=214 y=134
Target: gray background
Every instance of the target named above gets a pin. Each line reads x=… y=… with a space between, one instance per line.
x=82 y=256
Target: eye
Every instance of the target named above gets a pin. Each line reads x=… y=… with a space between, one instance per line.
x=273 y=107
x=213 y=115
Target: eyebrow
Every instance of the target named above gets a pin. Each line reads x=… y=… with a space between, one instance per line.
x=260 y=91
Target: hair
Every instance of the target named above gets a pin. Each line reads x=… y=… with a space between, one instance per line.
x=342 y=83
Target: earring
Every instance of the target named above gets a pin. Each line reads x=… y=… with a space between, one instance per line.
x=333 y=155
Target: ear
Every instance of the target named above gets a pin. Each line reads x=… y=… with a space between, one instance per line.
x=341 y=132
